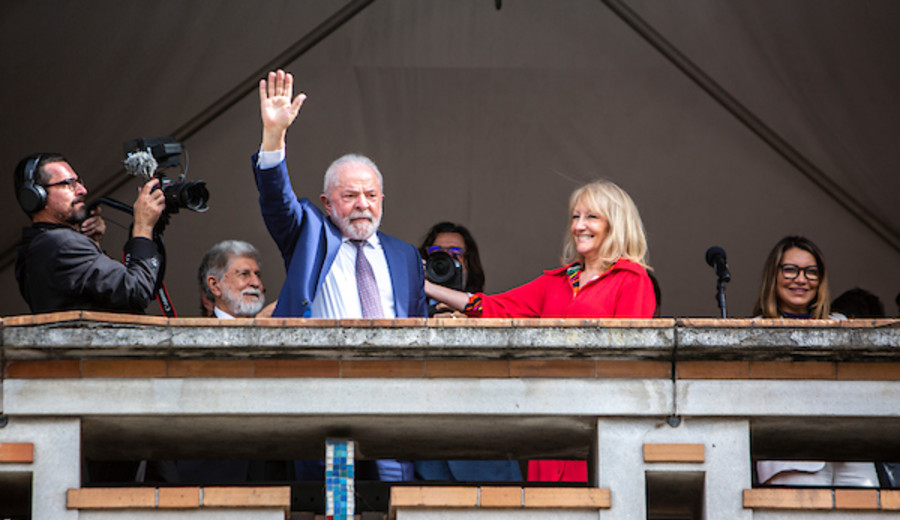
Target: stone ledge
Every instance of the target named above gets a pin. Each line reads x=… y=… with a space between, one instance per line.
x=706 y=323
x=761 y=323
x=179 y=497
x=773 y=344
x=141 y=319
x=109 y=341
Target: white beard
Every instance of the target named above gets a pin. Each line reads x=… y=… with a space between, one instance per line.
x=360 y=230
x=243 y=309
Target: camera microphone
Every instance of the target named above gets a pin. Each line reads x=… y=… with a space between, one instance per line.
x=147 y=156
x=141 y=164
x=715 y=257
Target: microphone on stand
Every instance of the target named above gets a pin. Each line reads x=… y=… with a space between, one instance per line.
x=715 y=257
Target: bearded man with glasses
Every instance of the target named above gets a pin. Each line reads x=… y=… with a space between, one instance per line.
x=59 y=264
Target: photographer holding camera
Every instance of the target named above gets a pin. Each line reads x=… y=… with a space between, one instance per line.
x=452 y=260
x=59 y=264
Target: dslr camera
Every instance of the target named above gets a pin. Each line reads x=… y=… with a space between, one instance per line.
x=443 y=269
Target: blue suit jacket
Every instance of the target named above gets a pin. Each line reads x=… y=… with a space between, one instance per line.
x=469 y=470
x=309 y=242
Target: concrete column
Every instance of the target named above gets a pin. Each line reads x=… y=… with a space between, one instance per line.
x=726 y=467
x=57 y=462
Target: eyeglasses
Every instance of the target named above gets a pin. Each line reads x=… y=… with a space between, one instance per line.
x=792 y=271
x=455 y=252
x=69 y=183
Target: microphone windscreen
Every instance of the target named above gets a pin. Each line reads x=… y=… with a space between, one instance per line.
x=141 y=164
x=713 y=252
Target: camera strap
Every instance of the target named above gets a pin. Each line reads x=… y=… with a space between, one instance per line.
x=165 y=304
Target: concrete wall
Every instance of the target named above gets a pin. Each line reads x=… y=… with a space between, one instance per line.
x=91 y=386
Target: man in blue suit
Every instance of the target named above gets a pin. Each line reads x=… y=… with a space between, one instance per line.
x=320 y=251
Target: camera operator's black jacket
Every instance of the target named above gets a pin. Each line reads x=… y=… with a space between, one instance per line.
x=60 y=269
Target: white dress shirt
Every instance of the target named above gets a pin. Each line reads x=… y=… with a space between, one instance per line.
x=267 y=160
x=339 y=296
x=222 y=315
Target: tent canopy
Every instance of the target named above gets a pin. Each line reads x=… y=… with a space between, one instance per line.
x=490 y=118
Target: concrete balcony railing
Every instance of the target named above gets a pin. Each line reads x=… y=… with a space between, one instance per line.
x=712 y=395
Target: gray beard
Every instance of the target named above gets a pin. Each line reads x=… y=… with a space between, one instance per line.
x=76 y=217
x=355 y=233
x=241 y=309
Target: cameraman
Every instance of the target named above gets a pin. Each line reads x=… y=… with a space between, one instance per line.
x=60 y=265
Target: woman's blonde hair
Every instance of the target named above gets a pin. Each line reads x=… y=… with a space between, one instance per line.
x=767 y=303
x=625 y=238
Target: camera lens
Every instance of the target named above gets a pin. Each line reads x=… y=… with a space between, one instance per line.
x=441 y=267
x=190 y=195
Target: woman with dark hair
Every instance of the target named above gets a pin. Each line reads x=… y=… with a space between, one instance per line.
x=795 y=285
x=858 y=303
x=456 y=241
x=795 y=282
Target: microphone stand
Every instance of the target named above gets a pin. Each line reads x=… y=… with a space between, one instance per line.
x=720 y=295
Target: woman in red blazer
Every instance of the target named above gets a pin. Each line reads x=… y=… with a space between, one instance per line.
x=604 y=275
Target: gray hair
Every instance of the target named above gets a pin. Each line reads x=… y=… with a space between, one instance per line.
x=216 y=260
x=331 y=172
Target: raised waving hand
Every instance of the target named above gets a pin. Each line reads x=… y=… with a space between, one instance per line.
x=276 y=108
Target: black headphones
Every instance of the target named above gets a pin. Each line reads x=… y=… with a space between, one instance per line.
x=32 y=197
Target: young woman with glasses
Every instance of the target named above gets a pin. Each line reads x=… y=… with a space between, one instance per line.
x=795 y=285
x=456 y=241
x=795 y=282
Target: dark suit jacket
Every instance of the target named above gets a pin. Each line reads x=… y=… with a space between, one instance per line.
x=60 y=269
x=309 y=242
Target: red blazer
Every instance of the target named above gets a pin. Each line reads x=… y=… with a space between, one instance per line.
x=624 y=291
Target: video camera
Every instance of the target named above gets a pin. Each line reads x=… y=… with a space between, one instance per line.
x=146 y=157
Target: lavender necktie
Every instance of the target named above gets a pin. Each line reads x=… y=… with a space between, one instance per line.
x=369 y=297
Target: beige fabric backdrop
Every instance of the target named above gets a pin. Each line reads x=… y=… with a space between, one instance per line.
x=488 y=118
